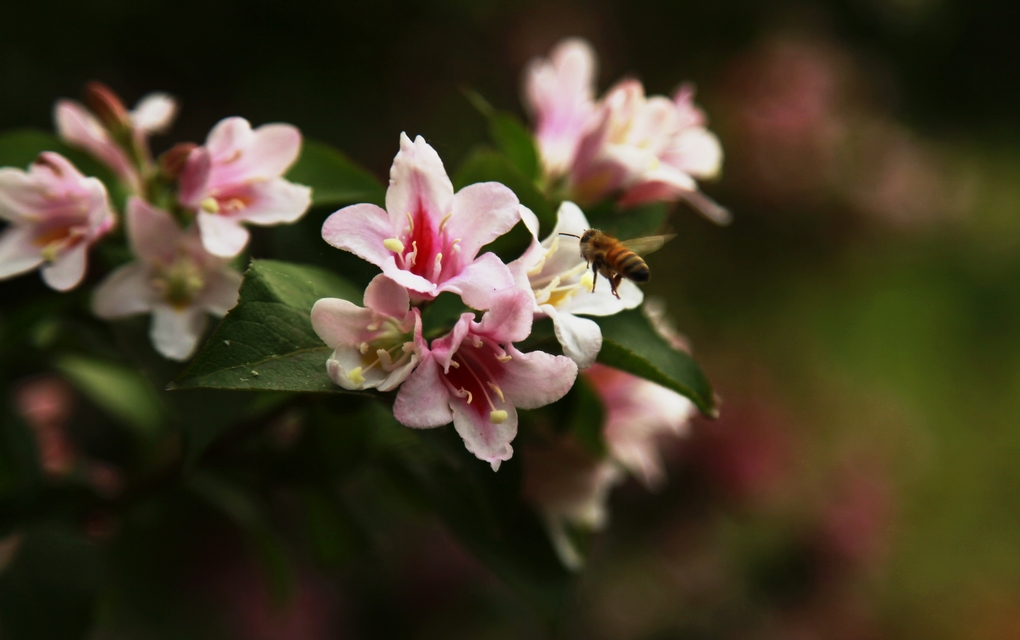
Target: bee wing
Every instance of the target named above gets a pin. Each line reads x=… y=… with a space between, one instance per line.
x=648 y=244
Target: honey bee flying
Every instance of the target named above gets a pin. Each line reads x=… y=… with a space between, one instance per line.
x=616 y=260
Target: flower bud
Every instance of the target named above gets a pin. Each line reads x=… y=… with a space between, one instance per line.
x=107 y=106
x=172 y=162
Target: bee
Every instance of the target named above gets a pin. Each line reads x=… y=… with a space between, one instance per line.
x=616 y=260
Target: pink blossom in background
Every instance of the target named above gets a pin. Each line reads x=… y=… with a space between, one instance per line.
x=560 y=93
x=626 y=145
x=427 y=239
x=174 y=278
x=236 y=177
x=477 y=379
x=375 y=346
x=79 y=127
x=55 y=214
x=560 y=282
x=570 y=488
x=46 y=405
x=638 y=412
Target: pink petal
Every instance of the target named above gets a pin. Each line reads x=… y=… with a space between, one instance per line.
x=386 y=297
x=154 y=113
x=152 y=232
x=220 y=293
x=194 y=180
x=423 y=400
x=481 y=213
x=418 y=182
x=175 y=333
x=18 y=254
x=221 y=235
x=227 y=136
x=125 y=292
x=361 y=229
x=487 y=441
x=509 y=317
x=697 y=152
x=276 y=201
x=79 y=128
x=532 y=380
x=340 y=322
x=409 y=280
x=68 y=269
x=273 y=150
x=444 y=348
x=479 y=282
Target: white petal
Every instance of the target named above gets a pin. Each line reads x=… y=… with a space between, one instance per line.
x=175 y=333
x=68 y=270
x=580 y=338
x=125 y=292
x=154 y=113
x=220 y=293
x=17 y=252
x=221 y=235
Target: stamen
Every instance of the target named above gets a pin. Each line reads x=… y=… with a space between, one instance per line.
x=506 y=357
x=373 y=326
x=498 y=416
x=209 y=205
x=499 y=392
x=455 y=246
x=394 y=245
x=588 y=281
x=410 y=224
x=454 y=364
x=363 y=348
x=470 y=397
x=413 y=256
x=437 y=267
x=442 y=223
x=354 y=375
x=480 y=385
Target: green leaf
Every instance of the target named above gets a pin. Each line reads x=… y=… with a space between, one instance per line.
x=630 y=343
x=485 y=165
x=267 y=342
x=117 y=389
x=510 y=135
x=441 y=314
x=625 y=224
x=334 y=178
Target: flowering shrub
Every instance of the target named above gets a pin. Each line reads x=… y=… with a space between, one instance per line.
x=466 y=317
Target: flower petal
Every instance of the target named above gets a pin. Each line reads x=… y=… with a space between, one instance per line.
x=508 y=319
x=154 y=113
x=175 y=333
x=386 y=297
x=481 y=213
x=125 y=292
x=347 y=358
x=276 y=201
x=18 y=254
x=487 y=440
x=152 y=232
x=418 y=182
x=220 y=293
x=532 y=380
x=602 y=302
x=423 y=400
x=68 y=269
x=479 y=282
x=79 y=128
x=580 y=338
x=361 y=229
x=339 y=322
x=222 y=236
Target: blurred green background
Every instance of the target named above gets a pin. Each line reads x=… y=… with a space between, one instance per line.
x=860 y=321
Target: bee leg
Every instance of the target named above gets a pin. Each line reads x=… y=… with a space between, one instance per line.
x=595 y=275
x=614 y=282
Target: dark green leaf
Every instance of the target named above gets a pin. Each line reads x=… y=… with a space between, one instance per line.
x=485 y=165
x=267 y=342
x=334 y=178
x=122 y=392
x=631 y=343
x=588 y=417
x=509 y=134
x=636 y=222
x=441 y=314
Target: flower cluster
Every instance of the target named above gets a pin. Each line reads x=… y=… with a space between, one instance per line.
x=184 y=211
x=626 y=144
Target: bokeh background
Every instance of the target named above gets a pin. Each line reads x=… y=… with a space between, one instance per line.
x=860 y=320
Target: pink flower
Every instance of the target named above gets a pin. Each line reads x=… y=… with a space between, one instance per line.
x=637 y=412
x=570 y=488
x=561 y=284
x=78 y=127
x=427 y=238
x=476 y=378
x=560 y=92
x=173 y=278
x=374 y=347
x=628 y=145
x=236 y=177
x=55 y=214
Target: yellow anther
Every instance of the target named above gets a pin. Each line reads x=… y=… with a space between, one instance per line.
x=470 y=397
x=394 y=245
x=354 y=375
x=588 y=281
x=454 y=364
x=49 y=252
x=210 y=205
x=498 y=416
x=504 y=358
x=410 y=224
x=455 y=245
x=363 y=348
x=442 y=223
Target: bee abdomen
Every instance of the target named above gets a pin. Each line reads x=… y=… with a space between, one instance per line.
x=632 y=266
